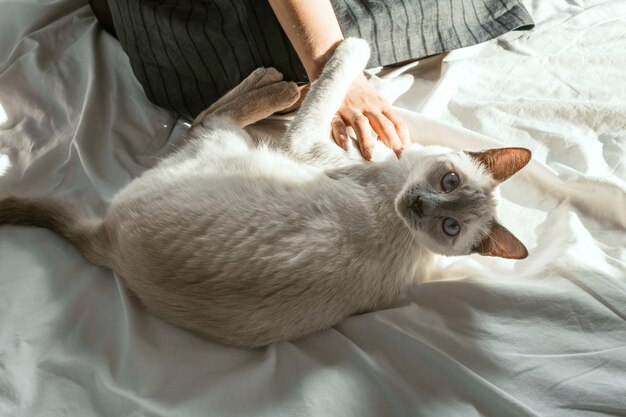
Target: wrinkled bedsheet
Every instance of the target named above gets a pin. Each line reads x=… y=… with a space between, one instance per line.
x=545 y=336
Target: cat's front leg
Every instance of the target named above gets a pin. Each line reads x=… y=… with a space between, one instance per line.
x=309 y=136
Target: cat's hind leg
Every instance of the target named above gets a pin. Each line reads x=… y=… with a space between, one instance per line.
x=260 y=95
x=260 y=77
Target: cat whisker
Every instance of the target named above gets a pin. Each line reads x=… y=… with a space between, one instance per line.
x=409 y=167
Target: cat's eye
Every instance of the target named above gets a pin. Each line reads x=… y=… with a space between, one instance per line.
x=450 y=226
x=450 y=181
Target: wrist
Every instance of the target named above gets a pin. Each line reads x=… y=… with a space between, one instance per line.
x=316 y=57
x=312 y=28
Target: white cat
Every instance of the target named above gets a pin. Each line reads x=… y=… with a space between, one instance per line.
x=250 y=245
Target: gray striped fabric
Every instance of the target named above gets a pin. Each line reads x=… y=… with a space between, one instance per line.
x=187 y=53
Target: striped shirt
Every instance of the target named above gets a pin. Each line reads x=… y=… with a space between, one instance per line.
x=188 y=53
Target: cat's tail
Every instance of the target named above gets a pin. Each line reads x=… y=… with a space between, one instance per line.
x=90 y=236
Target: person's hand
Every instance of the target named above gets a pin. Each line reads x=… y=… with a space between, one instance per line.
x=364 y=107
x=314 y=32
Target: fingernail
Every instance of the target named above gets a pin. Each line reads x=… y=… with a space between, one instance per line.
x=399 y=152
x=344 y=141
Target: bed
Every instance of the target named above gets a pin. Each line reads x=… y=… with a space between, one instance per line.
x=545 y=336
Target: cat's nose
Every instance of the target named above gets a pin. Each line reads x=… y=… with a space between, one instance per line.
x=425 y=205
x=417 y=206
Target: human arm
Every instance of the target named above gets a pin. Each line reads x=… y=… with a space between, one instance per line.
x=314 y=32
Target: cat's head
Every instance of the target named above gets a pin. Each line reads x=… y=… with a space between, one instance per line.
x=448 y=203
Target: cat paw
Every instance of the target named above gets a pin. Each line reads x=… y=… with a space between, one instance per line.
x=287 y=93
x=261 y=77
x=355 y=50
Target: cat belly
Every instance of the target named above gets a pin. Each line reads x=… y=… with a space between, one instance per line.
x=244 y=261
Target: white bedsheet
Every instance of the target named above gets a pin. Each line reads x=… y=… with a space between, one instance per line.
x=545 y=336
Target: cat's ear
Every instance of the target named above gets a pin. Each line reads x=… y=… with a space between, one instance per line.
x=501 y=163
x=501 y=243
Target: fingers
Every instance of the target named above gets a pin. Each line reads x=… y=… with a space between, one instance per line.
x=339 y=132
x=390 y=128
x=361 y=126
x=386 y=132
x=400 y=125
x=363 y=107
